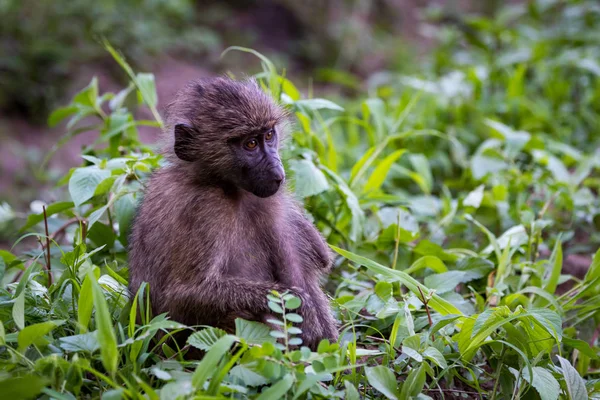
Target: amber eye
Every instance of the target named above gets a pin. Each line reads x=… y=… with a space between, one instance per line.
x=269 y=135
x=251 y=144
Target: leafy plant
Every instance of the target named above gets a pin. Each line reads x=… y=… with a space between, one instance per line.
x=455 y=202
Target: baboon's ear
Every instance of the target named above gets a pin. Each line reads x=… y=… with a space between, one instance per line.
x=184 y=137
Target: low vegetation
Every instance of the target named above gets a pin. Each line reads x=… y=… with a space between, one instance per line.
x=454 y=200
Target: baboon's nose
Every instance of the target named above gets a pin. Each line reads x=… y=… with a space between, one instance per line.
x=278 y=175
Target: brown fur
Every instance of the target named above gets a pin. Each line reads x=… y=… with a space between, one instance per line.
x=212 y=251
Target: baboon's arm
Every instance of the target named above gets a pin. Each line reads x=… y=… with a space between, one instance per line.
x=220 y=295
x=315 y=245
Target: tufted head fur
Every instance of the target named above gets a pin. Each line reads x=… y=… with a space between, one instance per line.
x=208 y=125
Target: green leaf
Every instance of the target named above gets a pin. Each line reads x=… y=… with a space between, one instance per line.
x=474 y=197
x=18 y=311
x=432 y=262
x=575 y=384
x=278 y=390
x=85 y=304
x=437 y=303
x=550 y=320
x=414 y=383
x=86 y=342
x=84 y=181
x=582 y=346
x=106 y=334
x=275 y=307
x=447 y=281
x=60 y=114
x=318 y=104
x=125 y=211
x=293 y=303
x=544 y=382
x=147 y=88
x=248 y=376
x=383 y=379
x=54 y=208
x=351 y=391
x=208 y=366
x=32 y=333
x=309 y=180
x=96 y=215
x=293 y=317
x=378 y=176
x=23 y=387
x=206 y=338
x=594 y=271
x=423 y=170
x=435 y=356
x=556 y=261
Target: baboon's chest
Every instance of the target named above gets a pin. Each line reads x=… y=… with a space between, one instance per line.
x=253 y=254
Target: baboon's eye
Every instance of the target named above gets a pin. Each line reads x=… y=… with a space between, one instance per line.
x=251 y=144
x=269 y=136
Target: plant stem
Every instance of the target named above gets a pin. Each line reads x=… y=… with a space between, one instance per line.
x=500 y=365
x=48 y=266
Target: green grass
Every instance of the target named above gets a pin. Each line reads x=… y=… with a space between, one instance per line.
x=453 y=200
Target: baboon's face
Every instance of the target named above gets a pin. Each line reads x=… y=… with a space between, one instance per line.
x=232 y=134
x=259 y=168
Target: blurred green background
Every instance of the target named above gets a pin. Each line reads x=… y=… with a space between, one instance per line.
x=50 y=49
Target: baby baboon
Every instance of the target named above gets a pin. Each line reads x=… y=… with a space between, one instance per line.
x=216 y=231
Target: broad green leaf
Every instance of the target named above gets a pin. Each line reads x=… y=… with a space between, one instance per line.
x=278 y=390
x=435 y=356
x=180 y=389
x=549 y=319
x=448 y=281
x=351 y=391
x=414 y=383
x=582 y=346
x=206 y=338
x=436 y=302
x=96 y=215
x=383 y=379
x=87 y=342
x=309 y=180
x=575 y=384
x=544 y=382
x=60 y=114
x=208 y=366
x=125 y=211
x=32 y=333
x=84 y=181
x=248 y=376
x=22 y=387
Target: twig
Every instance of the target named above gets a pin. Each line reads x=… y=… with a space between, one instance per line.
x=54 y=235
x=425 y=301
x=48 y=266
x=62 y=228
